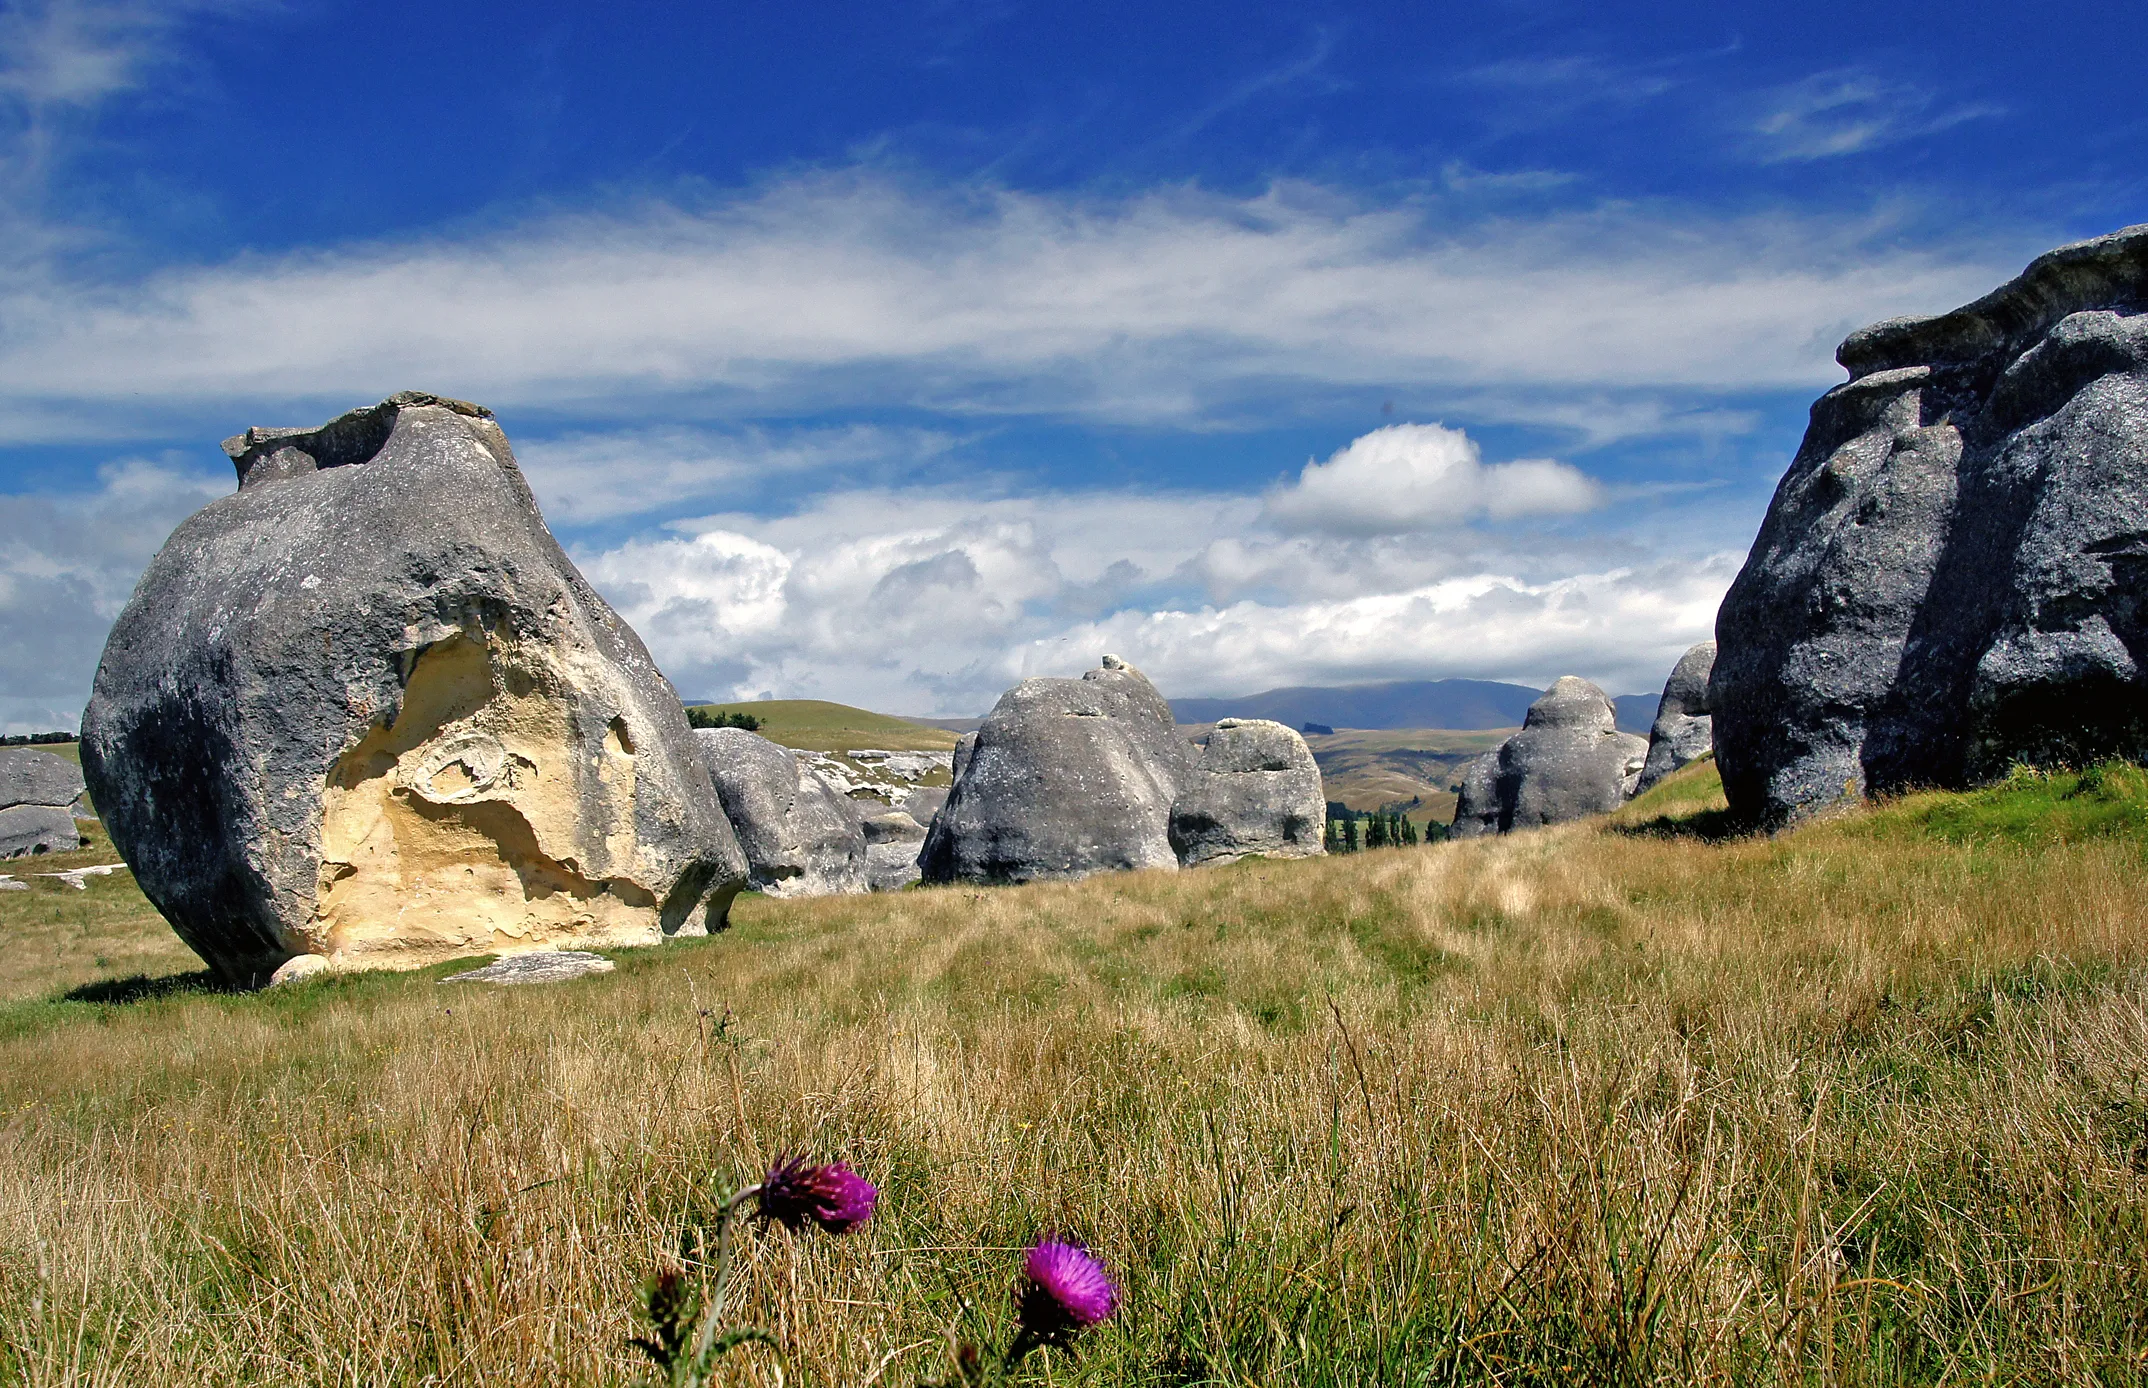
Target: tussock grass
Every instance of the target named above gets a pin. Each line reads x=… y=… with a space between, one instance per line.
x=1618 y=1103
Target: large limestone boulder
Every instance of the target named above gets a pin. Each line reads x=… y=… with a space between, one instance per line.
x=1071 y=777
x=1253 y=789
x=800 y=835
x=1950 y=577
x=366 y=708
x=1568 y=762
x=892 y=842
x=1476 y=808
x=1063 y=779
x=37 y=792
x=1683 y=731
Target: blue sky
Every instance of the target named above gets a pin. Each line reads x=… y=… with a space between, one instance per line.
x=889 y=353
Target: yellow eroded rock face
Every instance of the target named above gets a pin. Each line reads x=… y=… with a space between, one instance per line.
x=454 y=829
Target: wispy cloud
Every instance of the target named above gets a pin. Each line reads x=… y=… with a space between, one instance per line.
x=1851 y=111
x=1173 y=307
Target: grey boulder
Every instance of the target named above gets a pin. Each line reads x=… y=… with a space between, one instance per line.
x=30 y=829
x=800 y=835
x=366 y=708
x=1950 y=578
x=1569 y=761
x=37 y=793
x=892 y=842
x=1254 y=789
x=1071 y=777
x=1476 y=808
x=1683 y=731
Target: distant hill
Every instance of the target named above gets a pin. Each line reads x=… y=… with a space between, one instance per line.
x=815 y=725
x=1456 y=704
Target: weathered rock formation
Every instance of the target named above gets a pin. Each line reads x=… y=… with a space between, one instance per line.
x=1071 y=777
x=1568 y=762
x=366 y=708
x=892 y=842
x=1953 y=575
x=1683 y=731
x=800 y=835
x=38 y=792
x=1476 y=807
x=1253 y=789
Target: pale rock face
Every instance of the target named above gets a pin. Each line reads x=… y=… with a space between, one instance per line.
x=1476 y=808
x=37 y=791
x=1072 y=777
x=1683 y=731
x=1568 y=762
x=1255 y=789
x=892 y=842
x=365 y=708
x=1949 y=579
x=800 y=835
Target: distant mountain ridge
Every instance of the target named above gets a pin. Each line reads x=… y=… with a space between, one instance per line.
x=1457 y=704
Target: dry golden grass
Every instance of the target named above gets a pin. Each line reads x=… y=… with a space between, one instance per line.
x=1614 y=1103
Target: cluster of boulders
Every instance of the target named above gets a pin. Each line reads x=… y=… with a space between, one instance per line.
x=1068 y=777
x=365 y=711
x=40 y=796
x=1952 y=577
x=802 y=835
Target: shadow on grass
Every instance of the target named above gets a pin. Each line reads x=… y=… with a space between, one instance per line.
x=1709 y=826
x=142 y=988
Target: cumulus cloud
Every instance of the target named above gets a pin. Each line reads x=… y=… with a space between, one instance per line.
x=925 y=602
x=1411 y=476
x=1167 y=306
x=67 y=565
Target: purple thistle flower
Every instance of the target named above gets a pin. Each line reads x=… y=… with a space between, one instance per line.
x=1063 y=1290
x=832 y=1195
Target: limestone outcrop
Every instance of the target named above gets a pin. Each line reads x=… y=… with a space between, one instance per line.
x=1071 y=777
x=1950 y=577
x=366 y=708
x=1476 y=807
x=1254 y=788
x=892 y=842
x=38 y=792
x=1683 y=731
x=801 y=836
x=1568 y=762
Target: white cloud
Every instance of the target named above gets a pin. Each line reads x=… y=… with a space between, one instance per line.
x=1850 y=111
x=1412 y=476
x=67 y=565
x=928 y=601
x=1173 y=306
x=1624 y=628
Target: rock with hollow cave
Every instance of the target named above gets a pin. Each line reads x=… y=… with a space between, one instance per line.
x=366 y=708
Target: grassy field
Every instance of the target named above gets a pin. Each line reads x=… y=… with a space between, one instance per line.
x=816 y=725
x=1628 y=1102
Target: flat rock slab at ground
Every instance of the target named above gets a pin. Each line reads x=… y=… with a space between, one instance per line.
x=544 y=966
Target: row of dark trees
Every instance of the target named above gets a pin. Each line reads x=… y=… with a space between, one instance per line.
x=1380 y=829
x=708 y=718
